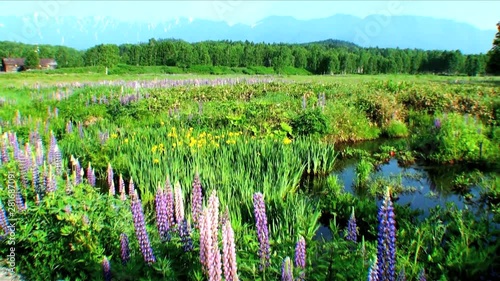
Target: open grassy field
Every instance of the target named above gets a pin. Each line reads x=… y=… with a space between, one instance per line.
x=195 y=177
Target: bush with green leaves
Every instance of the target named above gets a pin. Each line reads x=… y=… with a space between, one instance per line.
x=396 y=129
x=456 y=138
x=310 y=122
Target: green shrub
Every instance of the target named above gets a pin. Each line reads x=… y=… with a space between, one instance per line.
x=396 y=129
x=459 y=138
x=310 y=122
x=347 y=123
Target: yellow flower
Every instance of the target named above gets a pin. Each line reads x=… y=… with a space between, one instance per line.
x=287 y=141
x=125 y=140
x=162 y=123
x=114 y=136
x=154 y=148
x=156 y=161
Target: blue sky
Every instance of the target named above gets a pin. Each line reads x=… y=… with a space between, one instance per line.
x=482 y=14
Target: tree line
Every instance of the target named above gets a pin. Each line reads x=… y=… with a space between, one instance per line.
x=325 y=57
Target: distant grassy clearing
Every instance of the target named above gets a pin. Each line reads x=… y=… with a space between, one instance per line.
x=9 y=80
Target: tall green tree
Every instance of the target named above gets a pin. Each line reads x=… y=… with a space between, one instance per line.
x=472 y=65
x=493 y=65
x=32 y=59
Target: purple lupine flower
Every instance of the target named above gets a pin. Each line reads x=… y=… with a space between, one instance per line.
x=373 y=272
x=111 y=183
x=15 y=145
x=170 y=204
x=185 y=234
x=131 y=187
x=51 y=181
x=20 y=204
x=386 y=247
x=24 y=169
x=437 y=123
x=421 y=275
x=58 y=160
x=69 y=127
x=161 y=214
x=124 y=248
x=27 y=155
x=80 y=130
x=229 y=253
x=196 y=199
x=35 y=176
x=300 y=257
x=287 y=270
x=121 y=188
x=4 y=220
x=179 y=203
x=77 y=172
x=352 y=231
x=52 y=146
x=106 y=268
x=215 y=266
x=140 y=228
x=68 y=185
x=90 y=175
x=39 y=152
x=5 y=154
x=262 y=229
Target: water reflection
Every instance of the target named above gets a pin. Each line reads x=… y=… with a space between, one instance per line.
x=432 y=185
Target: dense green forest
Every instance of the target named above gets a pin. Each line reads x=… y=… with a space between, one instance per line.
x=326 y=57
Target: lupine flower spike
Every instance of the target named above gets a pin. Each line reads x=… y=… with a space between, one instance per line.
x=106 y=268
x=287 y=270
x=185 y=234
x=386 y=248
x=111 y=183
x=121 y=188
x=170 y=204
x=373 y=272
x=140 y=229
x=352 y=231
x=215 y=266
x=300 y=257
x=196 y=200
x=229 y=252
x=124 y=248
x=90 y=175
x=161 y=213
x=262 y=229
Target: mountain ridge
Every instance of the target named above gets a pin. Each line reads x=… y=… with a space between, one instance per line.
x=403 y=32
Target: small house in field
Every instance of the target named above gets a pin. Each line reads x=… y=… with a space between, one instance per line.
x=17 y=64
x=48 y=64
x=12 y=64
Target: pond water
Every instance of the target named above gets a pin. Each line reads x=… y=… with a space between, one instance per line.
x=430 y=185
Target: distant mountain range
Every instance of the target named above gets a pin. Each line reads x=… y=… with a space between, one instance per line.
x=373 y=31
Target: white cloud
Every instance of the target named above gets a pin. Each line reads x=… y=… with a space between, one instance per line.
x=2 y=25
